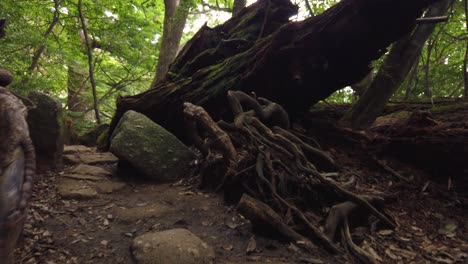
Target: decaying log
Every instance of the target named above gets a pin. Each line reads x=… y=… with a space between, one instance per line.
x=436 y=146
x=295 y=65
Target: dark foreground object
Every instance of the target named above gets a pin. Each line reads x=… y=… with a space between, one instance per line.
x=17 y=166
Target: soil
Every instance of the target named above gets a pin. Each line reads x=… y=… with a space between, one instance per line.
x=431 y=216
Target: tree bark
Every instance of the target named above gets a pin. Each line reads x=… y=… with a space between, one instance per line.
x=427 y=67
x=3 y=23
x=175 y=16
x=465 y=60
x=413 y=80
x=293 y=63
x=238 y=6
x=393 y=71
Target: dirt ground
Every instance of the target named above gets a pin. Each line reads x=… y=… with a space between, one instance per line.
x=431 y=217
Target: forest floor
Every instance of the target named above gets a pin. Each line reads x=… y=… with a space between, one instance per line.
x=99 y=224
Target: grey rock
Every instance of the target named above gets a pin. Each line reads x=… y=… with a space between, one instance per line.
x=77 y=190
x=83 y=177
x=107 y=187
x=90 y=170
x=72 y=149
x=90 y=158
x=171 y=247
x=149 y=148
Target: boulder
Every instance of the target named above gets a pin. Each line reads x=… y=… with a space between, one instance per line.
x=45 y=122
x=149 y=148
x=171 y=247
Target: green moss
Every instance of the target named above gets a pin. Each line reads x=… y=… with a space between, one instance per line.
x=438 y=109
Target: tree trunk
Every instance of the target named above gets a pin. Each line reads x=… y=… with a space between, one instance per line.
x=293 y=63
x=465 y=61
x=77 y=87
x=3 y=23
x=427 y=67
x=393 y=71
x=238 y=6
x=175 y=16
x=413 y=80
x=89 y=52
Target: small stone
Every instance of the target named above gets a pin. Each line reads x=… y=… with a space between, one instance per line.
x=171 y=247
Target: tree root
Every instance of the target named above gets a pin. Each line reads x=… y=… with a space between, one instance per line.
x=275 y=176
x=195 y=117
x=337 y=222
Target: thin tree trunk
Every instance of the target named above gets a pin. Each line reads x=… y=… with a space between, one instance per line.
x=427 y=67
x=413 y=80
x=309 y=8
x=76 y=87
x=41 y=49
x=465 y=61
x=89 y=51
x=238 y=6
x=175 y=16
x=393 y=71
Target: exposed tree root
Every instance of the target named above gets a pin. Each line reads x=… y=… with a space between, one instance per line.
x=277 y=177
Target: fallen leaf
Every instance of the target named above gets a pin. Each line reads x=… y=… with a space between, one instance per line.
x=392 y=255
x=251 y=246
x=228 y=247
x=385 y=232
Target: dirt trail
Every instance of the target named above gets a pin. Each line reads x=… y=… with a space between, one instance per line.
x=97 y=224
x=76 y=217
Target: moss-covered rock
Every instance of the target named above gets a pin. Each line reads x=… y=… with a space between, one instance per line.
x=149 y=148
x=46 y=127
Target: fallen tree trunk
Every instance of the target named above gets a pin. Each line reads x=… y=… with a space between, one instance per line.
x=259 y=50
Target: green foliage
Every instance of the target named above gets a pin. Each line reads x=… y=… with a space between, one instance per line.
x=125 y=30
x=128 y=33
x=447 y=45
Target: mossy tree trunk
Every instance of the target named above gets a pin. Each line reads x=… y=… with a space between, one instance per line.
x=293 y=63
